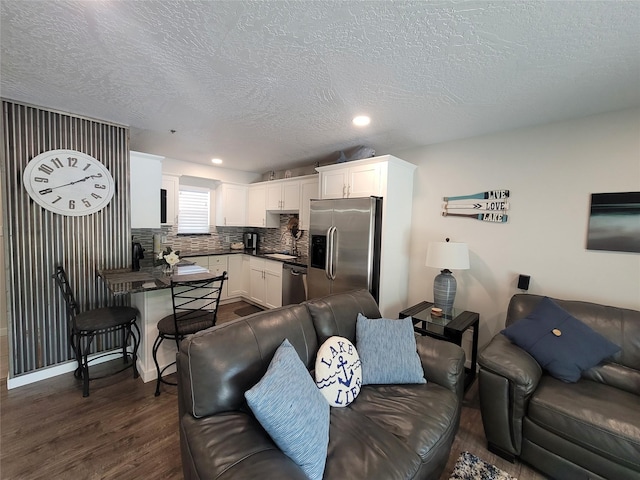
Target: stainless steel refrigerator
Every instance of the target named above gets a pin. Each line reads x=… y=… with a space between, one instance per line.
x=344 y=246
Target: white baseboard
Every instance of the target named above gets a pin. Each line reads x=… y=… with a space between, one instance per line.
x=61 y=369
x=151 y=374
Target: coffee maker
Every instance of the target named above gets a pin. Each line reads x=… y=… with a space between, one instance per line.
x=250 y=240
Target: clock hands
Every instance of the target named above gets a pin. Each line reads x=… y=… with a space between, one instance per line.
x=51 y=189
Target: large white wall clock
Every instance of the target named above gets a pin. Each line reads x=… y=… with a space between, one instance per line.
x=68 y=182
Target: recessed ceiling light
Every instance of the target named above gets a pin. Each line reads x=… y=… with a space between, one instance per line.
x=217 y=161
x=361 y=121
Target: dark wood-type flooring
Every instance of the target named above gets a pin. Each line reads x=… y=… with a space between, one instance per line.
x=49 y=431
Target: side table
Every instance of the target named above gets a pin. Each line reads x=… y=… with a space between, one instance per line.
x=449 y=327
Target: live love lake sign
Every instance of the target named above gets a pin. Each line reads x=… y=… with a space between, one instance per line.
x=489 y=206
x=338 y=371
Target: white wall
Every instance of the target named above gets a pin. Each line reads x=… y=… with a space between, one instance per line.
x=551 y=172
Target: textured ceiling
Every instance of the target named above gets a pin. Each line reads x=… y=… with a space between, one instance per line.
x=269 y=85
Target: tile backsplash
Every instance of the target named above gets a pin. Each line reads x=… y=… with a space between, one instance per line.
x=271 y=239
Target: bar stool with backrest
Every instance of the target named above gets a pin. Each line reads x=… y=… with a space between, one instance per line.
x=195 y=307
x=84 y=326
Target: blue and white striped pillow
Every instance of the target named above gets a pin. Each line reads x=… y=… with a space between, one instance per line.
x=292 y=410
x=388 y=351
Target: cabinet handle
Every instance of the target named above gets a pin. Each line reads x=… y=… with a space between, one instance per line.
x=344 y=188
x=348 y=190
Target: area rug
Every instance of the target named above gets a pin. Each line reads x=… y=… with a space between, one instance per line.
x=470 y=467
x=248 y=310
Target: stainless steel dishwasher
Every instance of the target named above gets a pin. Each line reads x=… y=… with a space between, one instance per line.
x=294 y=284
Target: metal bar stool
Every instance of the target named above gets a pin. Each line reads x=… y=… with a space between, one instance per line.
x=195 y=307
x=86 y=325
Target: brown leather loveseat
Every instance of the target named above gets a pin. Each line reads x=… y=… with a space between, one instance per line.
x=584 y=430
x=388 y=432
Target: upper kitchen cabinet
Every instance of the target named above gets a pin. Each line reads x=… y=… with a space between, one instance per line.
x=257 y=215
x=283 y=196
x=145 y=183
x=362 y=178
x=351 y=180
x=231 y=205
x=169 y=199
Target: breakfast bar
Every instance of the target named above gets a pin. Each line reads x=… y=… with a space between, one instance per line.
x=150 y=290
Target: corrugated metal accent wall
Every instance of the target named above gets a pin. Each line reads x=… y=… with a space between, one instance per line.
x=37 y=240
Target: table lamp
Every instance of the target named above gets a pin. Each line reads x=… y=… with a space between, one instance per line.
x=446 y=255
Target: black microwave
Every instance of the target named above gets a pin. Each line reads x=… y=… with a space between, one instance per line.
x=163 y=205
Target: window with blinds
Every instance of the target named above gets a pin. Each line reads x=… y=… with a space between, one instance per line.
x=193 y=210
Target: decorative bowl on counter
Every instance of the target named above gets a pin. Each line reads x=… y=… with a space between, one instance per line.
x=237 y=246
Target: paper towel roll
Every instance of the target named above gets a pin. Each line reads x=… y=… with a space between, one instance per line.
x=157 y=243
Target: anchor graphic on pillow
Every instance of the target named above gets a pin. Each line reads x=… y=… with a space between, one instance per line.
x=349 y=377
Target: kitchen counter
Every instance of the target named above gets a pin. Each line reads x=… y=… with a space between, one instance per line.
x=299 y=261
x=150 y=290
x=123 y=280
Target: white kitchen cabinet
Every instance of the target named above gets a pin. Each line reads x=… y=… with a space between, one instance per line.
x=202 y=261
x=257 y=286
x=265 y=282
x=333 y=183
x=246 y=275
x=283 y=196
x=257 y=215
x=218 y=265
x=392 y=179
x=352 y=180
x=235 y=286
x=171 y=184
x=308 y=190
x=273 y=284
x=145 y=182
x=231 y=204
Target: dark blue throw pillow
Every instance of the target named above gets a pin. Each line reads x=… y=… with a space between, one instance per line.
x=560 y=343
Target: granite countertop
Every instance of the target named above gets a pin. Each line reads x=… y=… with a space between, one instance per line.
x=123 y=280
x=299 y=261
x=212 y=251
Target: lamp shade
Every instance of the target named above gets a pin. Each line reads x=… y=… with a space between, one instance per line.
x=448 y=255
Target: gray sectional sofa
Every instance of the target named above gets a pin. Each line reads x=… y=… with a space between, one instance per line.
x=388 y=432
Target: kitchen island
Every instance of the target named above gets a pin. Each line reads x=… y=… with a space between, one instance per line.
x=150 y=290
x=254 y=276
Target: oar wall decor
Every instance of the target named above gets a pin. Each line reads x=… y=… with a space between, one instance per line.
x=491 y=205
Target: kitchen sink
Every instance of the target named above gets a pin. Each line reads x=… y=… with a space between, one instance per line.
x=280 y=256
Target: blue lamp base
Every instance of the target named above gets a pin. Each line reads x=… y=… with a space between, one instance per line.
x=444 y=290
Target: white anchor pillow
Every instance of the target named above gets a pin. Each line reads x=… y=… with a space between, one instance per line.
x=338 y=372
